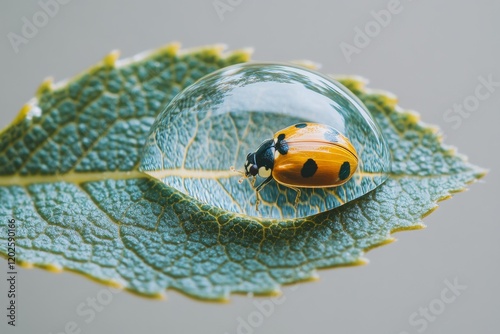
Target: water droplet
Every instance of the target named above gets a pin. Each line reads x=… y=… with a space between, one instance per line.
x=213 y=124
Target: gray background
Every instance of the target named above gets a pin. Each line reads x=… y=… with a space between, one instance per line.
x=430 y=55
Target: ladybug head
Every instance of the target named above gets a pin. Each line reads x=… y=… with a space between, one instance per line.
x=251 y=167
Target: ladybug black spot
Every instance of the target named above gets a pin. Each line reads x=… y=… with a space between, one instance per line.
x=345 y=170
x=309 y=169
x=300 y=125
x=281 y=144
x=331 y=136
x=282 y=147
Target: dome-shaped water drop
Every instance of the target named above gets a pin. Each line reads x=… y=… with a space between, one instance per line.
x=216 y=122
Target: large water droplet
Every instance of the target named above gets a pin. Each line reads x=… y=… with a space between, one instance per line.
x=214 y=123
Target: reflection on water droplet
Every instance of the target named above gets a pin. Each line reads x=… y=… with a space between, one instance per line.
x=214 y=123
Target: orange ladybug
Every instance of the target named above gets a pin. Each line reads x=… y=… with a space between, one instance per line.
x=304 y=155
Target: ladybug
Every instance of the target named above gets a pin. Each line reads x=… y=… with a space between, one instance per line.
x=304 y=155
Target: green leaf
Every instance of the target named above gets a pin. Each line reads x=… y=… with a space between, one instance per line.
x=68 y=176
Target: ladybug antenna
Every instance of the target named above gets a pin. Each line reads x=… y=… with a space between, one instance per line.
x=234 y=170
x=244 y=176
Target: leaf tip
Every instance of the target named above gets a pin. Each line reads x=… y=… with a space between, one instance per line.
x=209 y=51
x=481 y=172
x=222 y=300
x=28 y=110
x=362 y=261
x=159 y=296
x=241 y=55
x=52 y=267
x=111 y=58
x=386 y=241
x=352 y=82
x=171 y=49
x=155 y=295
x=391 y=100
x=413 y=117
x=276 y=292
x=216 y=49
x=46 y=86
x=25 y=264
x=116 y=284
x=21 y=115
x=311 y=65
x=314 y=277
x=444 y=198
x=417 y=226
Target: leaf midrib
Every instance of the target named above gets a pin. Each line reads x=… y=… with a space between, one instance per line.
x=72 y=177
x=82 y=177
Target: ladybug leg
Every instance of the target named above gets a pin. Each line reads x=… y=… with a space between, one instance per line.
x=266 y=181
x=297 y=197
x=257 y=201
x=259 y=188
